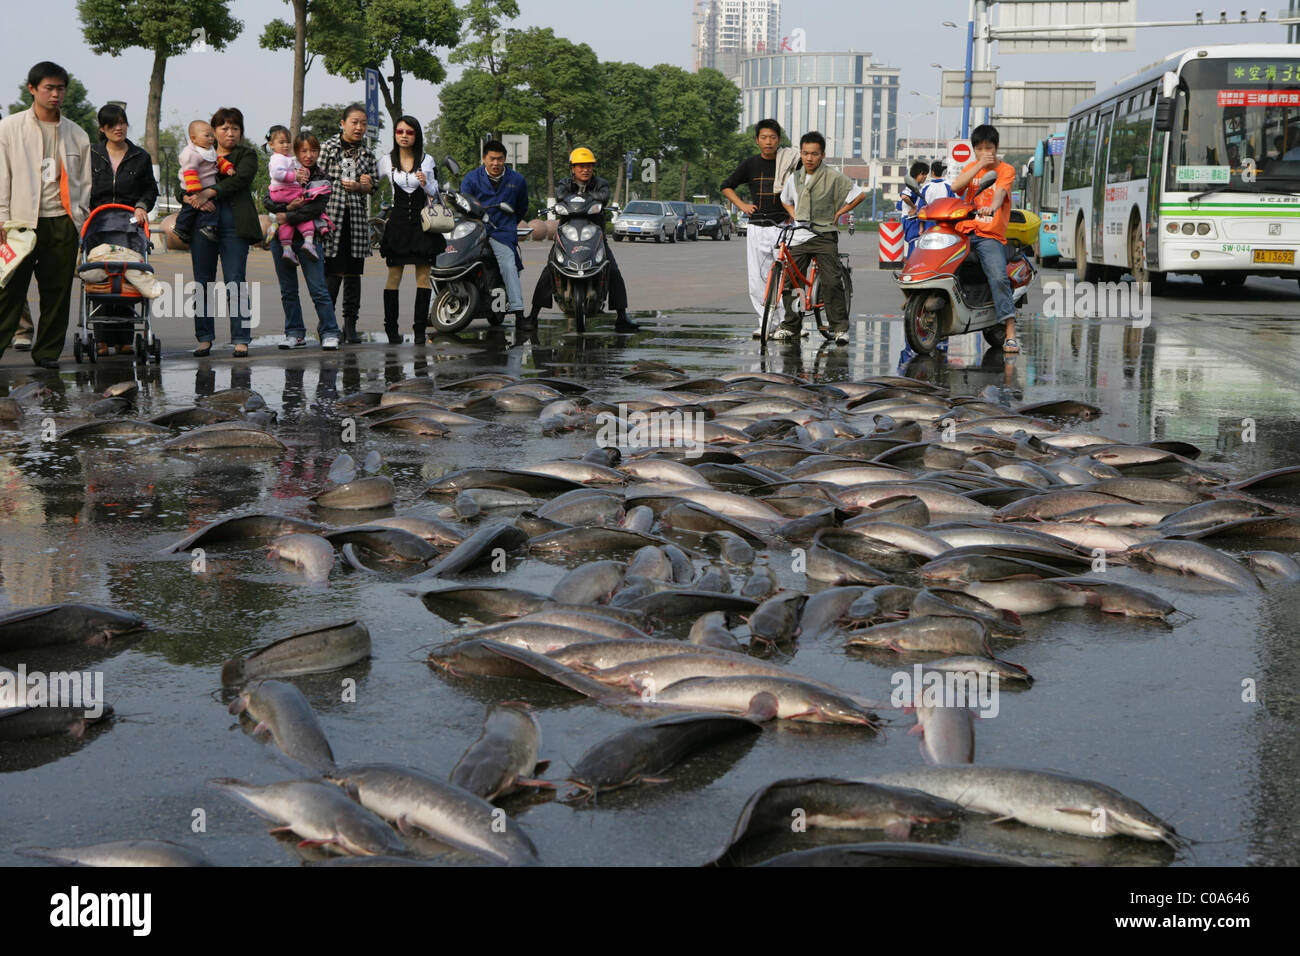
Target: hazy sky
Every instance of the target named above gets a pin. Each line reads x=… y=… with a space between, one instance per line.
x=899 y=34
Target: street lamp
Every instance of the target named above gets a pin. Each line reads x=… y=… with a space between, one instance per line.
x=937 y=101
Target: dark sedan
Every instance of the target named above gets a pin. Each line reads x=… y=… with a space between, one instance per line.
x=714 y=222
x=688 y=223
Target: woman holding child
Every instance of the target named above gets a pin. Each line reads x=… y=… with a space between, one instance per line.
x=297 y=197
x=237 y=228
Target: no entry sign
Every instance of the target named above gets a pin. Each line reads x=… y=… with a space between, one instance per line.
x=959 y=154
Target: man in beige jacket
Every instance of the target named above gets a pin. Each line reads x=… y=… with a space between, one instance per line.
x=45 y=186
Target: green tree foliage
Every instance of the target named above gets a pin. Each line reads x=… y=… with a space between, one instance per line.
x=77 y=106
x=167 y=28
x=398 y=37
x=562 y=91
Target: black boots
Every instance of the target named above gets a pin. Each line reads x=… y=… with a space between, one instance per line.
x=351 y=307
x=390 y=317
x=624 y=324
x=422 y=297
x=525 y=321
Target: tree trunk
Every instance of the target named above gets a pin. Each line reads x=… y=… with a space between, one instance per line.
x=395 y=110
x=685 y=166
x=550 y=157
x=299 y=63
x=153 y=112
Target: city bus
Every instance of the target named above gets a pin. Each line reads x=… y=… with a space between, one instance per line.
x=1041 y=189
x=1191 y=166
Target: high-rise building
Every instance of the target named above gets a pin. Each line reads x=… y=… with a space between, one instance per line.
x=728 y=31
x=847 y=97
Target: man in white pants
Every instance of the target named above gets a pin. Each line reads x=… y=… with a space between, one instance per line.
x=765 y=174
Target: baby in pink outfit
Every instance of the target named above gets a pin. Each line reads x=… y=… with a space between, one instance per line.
x=286 y=186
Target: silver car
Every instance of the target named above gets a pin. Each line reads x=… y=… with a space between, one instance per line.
x=646 y=219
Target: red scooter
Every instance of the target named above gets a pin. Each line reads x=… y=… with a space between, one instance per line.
x=945 y=292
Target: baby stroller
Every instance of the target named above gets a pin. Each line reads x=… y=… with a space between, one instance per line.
x=114 y=300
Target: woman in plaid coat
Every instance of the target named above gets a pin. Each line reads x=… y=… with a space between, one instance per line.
x=352 y=169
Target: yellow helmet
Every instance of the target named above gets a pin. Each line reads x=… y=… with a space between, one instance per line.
x=581 y=155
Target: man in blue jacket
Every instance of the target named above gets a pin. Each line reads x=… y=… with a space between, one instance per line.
x=490 y=184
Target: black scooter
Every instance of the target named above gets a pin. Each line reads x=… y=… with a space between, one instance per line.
x=466 y=279
x=579 y=260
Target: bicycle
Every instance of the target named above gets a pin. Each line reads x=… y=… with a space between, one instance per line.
x=805 y=290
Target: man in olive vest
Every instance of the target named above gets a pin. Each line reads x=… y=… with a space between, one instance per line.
x=818 y=196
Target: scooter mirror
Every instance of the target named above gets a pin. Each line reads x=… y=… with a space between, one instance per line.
x=987 y=180
x=452 y=166
x=506 y=208
x=911 y=183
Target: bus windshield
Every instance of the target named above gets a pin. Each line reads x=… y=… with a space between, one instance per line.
x=1237 y=127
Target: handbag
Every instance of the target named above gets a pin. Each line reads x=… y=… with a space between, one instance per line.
x=436 y=217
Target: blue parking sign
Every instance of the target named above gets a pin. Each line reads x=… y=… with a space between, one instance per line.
x=372 y=98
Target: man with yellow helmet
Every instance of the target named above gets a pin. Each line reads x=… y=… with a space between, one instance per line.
x=584 y=181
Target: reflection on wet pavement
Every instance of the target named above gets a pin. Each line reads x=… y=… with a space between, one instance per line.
x=1156 y=712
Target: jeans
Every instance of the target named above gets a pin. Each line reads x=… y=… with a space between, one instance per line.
x=234 y=273
x=314 y=274
x=993 y=257
x=509 y=275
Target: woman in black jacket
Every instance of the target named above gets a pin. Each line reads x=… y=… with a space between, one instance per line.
x=121 y=172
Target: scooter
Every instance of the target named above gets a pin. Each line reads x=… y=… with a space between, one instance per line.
x=579 y=259
x=851 y=226
x=945 y=291
x=466 y=279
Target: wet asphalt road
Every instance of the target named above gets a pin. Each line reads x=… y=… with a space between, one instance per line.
x=1155 y=711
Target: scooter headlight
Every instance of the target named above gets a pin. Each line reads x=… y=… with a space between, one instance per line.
x=600 y=255
x=462 y=230
x=595 y=208
x=561 y=209
x=937 y=240
x=587 y=232
x=570 y=232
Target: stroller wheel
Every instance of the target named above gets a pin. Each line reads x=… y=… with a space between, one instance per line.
x=89 y=348
x=76 y=349
x=156 y=350
x=140 y=355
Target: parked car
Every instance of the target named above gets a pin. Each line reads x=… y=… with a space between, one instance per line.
x=647 y=219
x=714 y=222
x=742 y=224
x=688 y=222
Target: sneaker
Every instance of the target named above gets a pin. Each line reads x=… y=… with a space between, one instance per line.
x=309 y=250
x=942 y=346
x=758 y=332
x=289 y=254
x=294 y=342
x=1011 y=346
x=209 y=233
x=330 y=343
x=780 y=335
x=841 y=338
x=23 y=343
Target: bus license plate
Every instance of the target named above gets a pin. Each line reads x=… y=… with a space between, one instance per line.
x=1281 y=257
